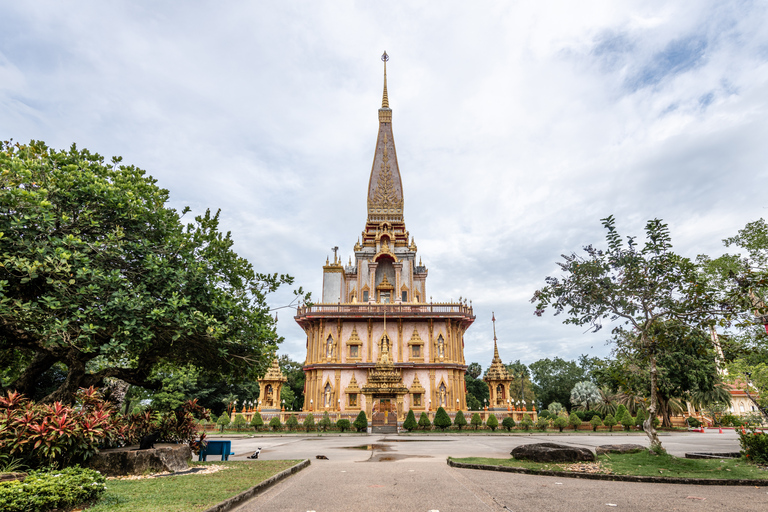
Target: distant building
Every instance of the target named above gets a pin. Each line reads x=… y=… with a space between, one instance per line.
x=374 y=341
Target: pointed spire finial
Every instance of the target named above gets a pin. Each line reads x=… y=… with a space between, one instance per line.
x=495 y=346
x=385 y=98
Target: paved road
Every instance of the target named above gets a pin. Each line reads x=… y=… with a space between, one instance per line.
x=409 y=473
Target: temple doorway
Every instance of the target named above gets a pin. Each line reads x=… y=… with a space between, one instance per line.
x=384 y=412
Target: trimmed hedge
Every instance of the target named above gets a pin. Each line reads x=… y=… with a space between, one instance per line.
x=52 y=489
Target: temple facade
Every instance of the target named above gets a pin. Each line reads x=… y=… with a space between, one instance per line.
x=376 y=341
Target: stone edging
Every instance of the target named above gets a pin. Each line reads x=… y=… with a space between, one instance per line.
x=615 y=478
x=235 y=501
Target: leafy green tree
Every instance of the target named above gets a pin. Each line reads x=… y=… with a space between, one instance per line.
x=473 y=404
x=474 y=370
x=477 y=391
x=595 y=422
x=292 y=423
x=99 y=275
x=240 y=422
x=410 y=421
x=542 y=424
x=325 y=421
x=424 y=422
x=555 y=408
x=553 y=380
x=640 y=287
x=343 y=425
x=257 y=422
x=275 y=424
x=628 y=422
x=460 y=421
x=585 y=394
x=442 y=420
x=526 y=423
x=223 y=422
x=560 y=423
x=620 y=413
x=293 y=390
x=361 y=422
x=309 y=422
x=574 y=421
x=492 y=422
x=476 y=420
x=609 y=421
x=640 y=418
x=508 y=423
x=522 y=387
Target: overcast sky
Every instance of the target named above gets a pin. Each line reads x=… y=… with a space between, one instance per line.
x=519 y=125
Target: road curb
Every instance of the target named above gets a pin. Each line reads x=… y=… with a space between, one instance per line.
x=235 y=501
x=615 y=478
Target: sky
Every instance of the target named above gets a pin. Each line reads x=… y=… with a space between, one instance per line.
x=518 y=125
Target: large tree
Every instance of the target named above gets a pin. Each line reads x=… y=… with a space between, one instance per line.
x=554 y=379
x=100 y=277
x=638 y=286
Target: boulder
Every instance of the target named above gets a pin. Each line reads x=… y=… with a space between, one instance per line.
x=552 y=452
x=130 y=461
x=619 y=448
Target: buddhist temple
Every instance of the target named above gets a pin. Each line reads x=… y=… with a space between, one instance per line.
x=498 y=379
x=375 y=340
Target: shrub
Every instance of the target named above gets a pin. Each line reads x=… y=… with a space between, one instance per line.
x=309 y=422
x=424 y=421
x=223 y=422
x=574 y=421
x=343 y=425
x=292 y=423
x=609 y=422
x=640 y=418
x=257 y=422
x=588 y=415
x=526 y=423
x=595 y=422
x=361 y=422
x=754 y=446
x=627 y=422
x=492 y=422
x=476 y=420
x=410 y=421
x=325 y=422
x=240 y=422
x=580 y=415
x=544 y=414
x=442 y=420
x=693 y=422
x=460 y=420
x=275 y=424
x=620 y=412
x=729 y=420
x=555 y=408
x=52 y=489
x=542 y=424
x=508 y=423
x=560 y=423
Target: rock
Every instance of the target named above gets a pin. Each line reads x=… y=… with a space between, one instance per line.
x=129 y=461
x=619 y=448
x=552 y=452
x=10 y=477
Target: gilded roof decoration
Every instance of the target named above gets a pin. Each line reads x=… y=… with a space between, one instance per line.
x=274 y=373
x=497 y=371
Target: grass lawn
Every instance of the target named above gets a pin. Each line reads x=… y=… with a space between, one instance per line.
x=187 y=492
x=642 y=464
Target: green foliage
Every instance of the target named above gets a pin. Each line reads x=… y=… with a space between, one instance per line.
x=508 y=423
x=223 y=421
x=585 y=394
x=99 y=273
x=442 y=420
x=361 y=422
x=257 y=422
x=554 y=379
x=620 y=413
x=424 y=422
x=292 y=423
x=410 y=421
x=560 y=423
x=240 y=422
x=325 y=422
x=587 y=415
x=542 y=424
x=754 y=446
x=729 y=420
x=343 y=425
x=595 y=422
x=474 y=370
x=460 y=421
x=555 y=408
x=545 y=414
x=693 y=422
x=477 y=391
x=521 y=387
x=293 y=391
x=526 y=423
x=47 y=490
x=640 y=418
x=275 y=424
x=476 y=420
x=309 y=422
x=492 y=422
x=574 y=421
x=610 y=422
x=473 y=404
x=628 y=422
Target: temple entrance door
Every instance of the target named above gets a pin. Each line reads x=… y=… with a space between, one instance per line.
x=384 y=412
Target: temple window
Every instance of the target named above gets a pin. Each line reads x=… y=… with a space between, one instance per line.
x=417 y=399
x=384 y=297
x=353 y=351
x=405 y=296
x=353 y=399
x=365 y=295
x=415 y=351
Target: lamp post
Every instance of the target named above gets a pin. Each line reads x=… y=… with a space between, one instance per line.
x=310 y=404
x=283 y=407
x=509 y=405
x=485 y=404
x=259 y=405
x=429 y=407
x=457 y=404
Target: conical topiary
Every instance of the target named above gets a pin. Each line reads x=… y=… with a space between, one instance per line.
x=460 y=420
x=442 y=420
x=424 y=421
x=410 y=421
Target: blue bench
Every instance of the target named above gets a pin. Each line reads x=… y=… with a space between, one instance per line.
x=223 y=448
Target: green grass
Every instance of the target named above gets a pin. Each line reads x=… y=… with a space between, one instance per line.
x=187 y=492
x=645 y=464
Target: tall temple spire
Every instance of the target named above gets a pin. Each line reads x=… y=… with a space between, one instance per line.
x=385 y=188
x=495 y=346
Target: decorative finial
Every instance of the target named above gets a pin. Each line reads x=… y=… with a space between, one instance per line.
x=493 y=319
x=385 y=98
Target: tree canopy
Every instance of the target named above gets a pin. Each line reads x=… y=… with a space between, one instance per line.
x=99 y=277
x=554 y=379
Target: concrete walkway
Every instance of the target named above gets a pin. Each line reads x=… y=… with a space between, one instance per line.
x=409 y=473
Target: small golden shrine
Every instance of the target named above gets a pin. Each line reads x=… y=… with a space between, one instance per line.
x=269 y=388
x=498 y=378
x=384 y=379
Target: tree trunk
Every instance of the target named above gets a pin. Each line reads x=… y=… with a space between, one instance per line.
x=650 y=431
x=666 y=420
